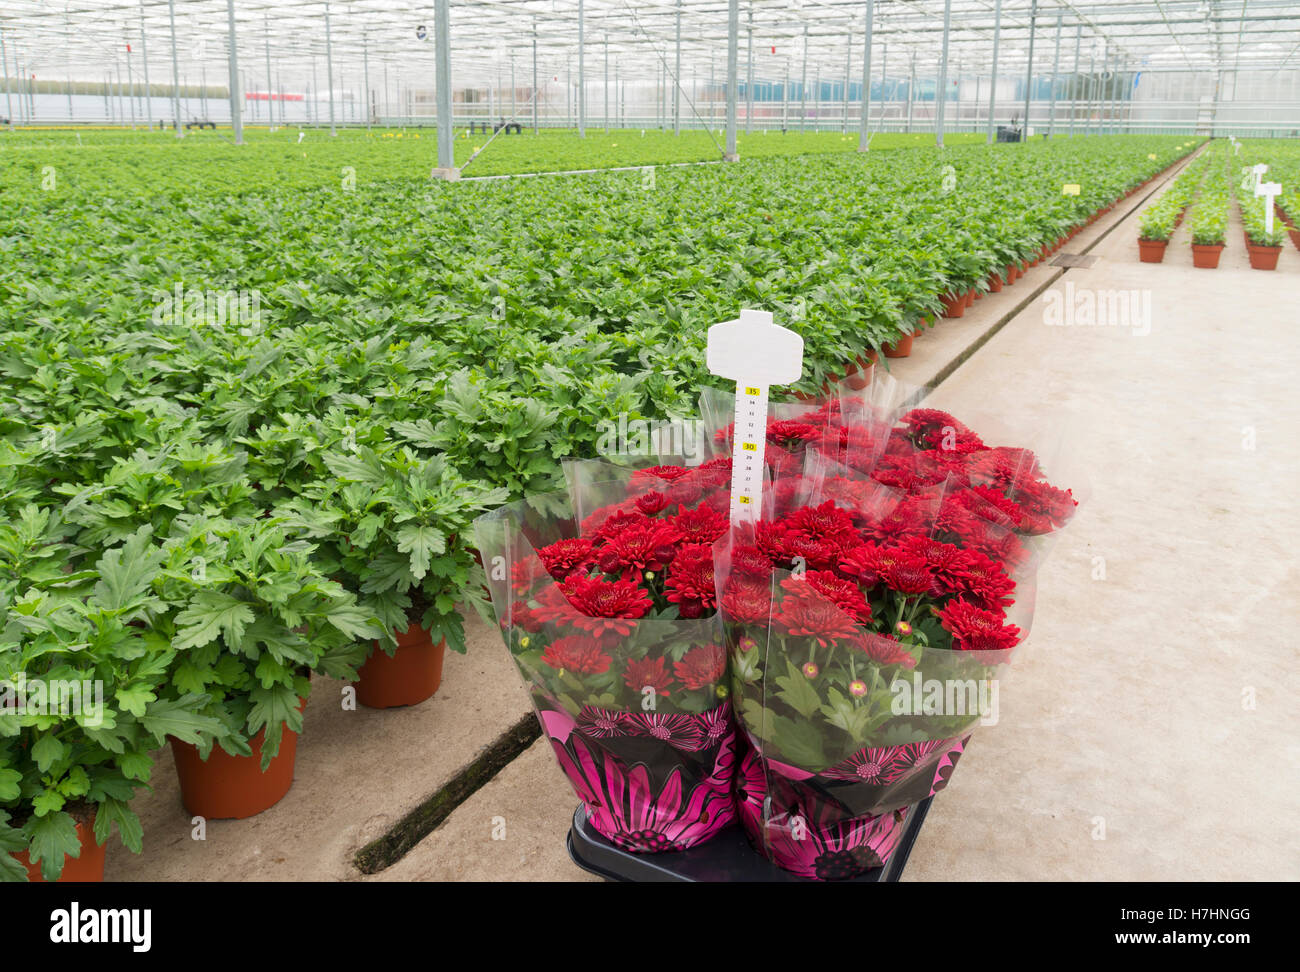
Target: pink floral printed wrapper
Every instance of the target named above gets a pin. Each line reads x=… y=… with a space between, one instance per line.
x=631 y=695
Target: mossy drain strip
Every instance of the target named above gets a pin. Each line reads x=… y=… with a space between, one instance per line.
x=424 y=819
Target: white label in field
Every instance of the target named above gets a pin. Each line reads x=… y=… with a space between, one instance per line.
x=755 y=353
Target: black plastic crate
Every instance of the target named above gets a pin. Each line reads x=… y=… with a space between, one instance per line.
x=728 y=857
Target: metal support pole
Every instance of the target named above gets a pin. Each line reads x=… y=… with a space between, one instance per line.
x=236 y=114
x=582 y=76
x=733 y=50
x=1092 y=77
x=865 y=118
x=677 y=77
x=329 y=65
x=266 y=44
x=9 y=100
x=749 y=66
x=803 y=83
x=144 y=55
x=884 y=66
x=911 y=87
x=535 y=91
x=442 y=43
x=176 y=74
x=130 y=83
x=1074 y=79
x=1056 y=74
x=365 y=70
x=993 y=79
x=607 y=84
x=941 y=91
x=785 y=99
x=1029 y=69
x=848 y=68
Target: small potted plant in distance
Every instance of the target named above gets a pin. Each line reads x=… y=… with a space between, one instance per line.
x=255 y=617
x=81 y=676
x=391 y=525
x=1153 y=237
x=1262 y=245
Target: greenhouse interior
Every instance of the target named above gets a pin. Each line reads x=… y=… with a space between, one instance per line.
x=584 y=440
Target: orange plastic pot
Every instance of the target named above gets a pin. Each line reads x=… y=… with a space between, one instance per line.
x=410 y=676
x=1152 y=251
x=1206 y=255
x=85 y=869
x=953 y=305
x=225 y=787
x=1295 y=237
x=995 y=283
x=1263 y=257
x=900 y=348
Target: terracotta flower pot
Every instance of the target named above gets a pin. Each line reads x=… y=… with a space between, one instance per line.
x=1295 y=237
x=86 y=869
x=953 y=305
x=1206 y=255
x=1012 y=273
x=1152 y=251
x=995 y=283
x=861 y=377
x=970 y=297
x=225 y=787
x=412 y=675
x=900 y=348
x=1263 y=257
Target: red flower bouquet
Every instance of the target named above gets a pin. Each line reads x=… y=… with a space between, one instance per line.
x=607 y=602
x=868 y=620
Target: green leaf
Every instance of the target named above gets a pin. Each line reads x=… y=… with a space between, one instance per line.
x=797 y=691
x=116 y=813
x=421 y=542
x=178 y=718
x=210 y=614
x=9 y=780
x=50 y=838
x=47 y=751
x=134 y=699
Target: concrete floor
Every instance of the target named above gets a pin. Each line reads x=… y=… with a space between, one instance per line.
x=1124 y=711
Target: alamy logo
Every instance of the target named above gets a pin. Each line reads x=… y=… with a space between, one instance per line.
x=652 y=437
x=22 y=696
x=946 y=697
x=1085 y=307
x=72 y=926
x=190 y=307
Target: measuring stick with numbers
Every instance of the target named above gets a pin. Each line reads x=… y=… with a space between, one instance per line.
x=755 y=353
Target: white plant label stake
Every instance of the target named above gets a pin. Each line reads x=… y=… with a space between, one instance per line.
x=754 y=353
x=1269 y=190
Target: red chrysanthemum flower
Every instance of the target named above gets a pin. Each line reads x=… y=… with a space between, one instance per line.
x=578 y=654
x=655 y=476
x=908 y=575
x=606 y=606
x=702 y=666
x=944 y=561
x=564 y=557
x=700 y=525
x=747 y=600
x=789 y=433
x=690 y=583
x=651 y=503
x=624 y=516
x=1044 y=507
x=640 y=674
x=886 y=650
x=842 y=593
x=807 y=614
x=646 y=545
x=975 y=629
x=749 y=561
x=522 y=616
x=984 y=580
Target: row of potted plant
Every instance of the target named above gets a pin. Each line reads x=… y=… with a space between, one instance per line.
x=1209 y=216
x=1162 y=217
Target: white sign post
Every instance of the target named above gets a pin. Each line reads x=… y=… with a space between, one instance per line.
x=1270 y=191
x=755 y=353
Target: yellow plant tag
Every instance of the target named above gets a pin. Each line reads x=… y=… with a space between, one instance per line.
x=1070 y=189
x=1152 y=156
